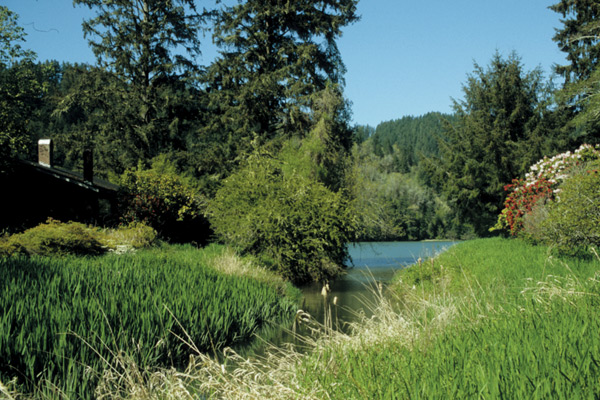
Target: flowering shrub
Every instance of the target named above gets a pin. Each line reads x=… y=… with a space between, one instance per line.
x=541 y=184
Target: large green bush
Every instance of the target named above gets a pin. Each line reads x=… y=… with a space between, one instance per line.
x=293 y=223
x=573 y=221
x=164 y=201
x=55 y=238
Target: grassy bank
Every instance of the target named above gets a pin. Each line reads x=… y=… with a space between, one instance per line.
x=490 y=318
x=71 y=324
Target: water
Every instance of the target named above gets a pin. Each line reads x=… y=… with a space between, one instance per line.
x=373 y=264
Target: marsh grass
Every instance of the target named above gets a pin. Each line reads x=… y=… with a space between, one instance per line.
x=489 y=318
x=66 y=320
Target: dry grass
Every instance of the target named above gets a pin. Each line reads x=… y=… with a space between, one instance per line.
x=231 y=263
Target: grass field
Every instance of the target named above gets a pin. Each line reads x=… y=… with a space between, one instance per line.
x=489 y=318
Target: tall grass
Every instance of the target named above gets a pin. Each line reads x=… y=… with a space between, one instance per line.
x=487 y=319
x=65 y=321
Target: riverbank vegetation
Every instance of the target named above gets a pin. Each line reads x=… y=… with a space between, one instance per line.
x=67 y=322
x=256 y=151
x=488 y=317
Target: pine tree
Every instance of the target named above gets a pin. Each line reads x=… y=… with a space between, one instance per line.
x=20 y=90
x=491 y=140
x=579 y=38
x=275 y=56
x=148 y=48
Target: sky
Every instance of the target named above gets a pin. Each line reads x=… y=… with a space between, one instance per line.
x=402 y=57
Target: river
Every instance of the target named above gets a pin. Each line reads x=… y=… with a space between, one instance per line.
x=371 y=264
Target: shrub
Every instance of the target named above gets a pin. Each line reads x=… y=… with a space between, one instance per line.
x=163 y=201
x=294 y=224
x=540 y=185
x=58 y=238
x=54 y=238
x=135 y=235
x=573 y=222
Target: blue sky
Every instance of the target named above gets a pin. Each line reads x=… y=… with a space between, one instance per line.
x=402 y=57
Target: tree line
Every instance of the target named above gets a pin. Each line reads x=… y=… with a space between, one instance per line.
x=270 y=112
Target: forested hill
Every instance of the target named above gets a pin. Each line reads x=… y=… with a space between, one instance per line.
x=407 y=139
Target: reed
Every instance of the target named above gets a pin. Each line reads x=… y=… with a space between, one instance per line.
x=65 y=321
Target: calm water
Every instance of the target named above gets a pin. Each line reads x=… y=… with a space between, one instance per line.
x=372 y=263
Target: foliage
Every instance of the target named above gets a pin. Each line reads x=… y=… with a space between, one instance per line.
x=275 y=56
x=392 y=205
x=578 y=38
x=65 y=321
x=293 y=223
x=54 y=238
x=164 y=201
x=135 y=235
x=541 y=184
x=573 y=220
x=20 y=89
x=408 y=139
x=493 y=138
x=141 y=99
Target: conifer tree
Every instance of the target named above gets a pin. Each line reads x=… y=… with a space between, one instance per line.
x=275 y=55
x=20 y=89
x=579 y=38
x=491 y=140
x=148 y=48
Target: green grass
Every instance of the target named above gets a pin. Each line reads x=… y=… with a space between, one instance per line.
x=66 y=321
x=489 y=318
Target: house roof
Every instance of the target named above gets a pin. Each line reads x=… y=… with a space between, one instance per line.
x=75 y=178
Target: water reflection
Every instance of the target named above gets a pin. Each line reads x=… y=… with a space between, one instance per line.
x=372 y=264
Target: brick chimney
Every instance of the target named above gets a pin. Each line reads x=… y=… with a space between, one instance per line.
x=45 y=152
x=88 y=165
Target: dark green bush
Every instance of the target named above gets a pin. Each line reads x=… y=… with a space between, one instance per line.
x=54 y=238
x=296 y=225
x=573 y=221
x=164 y=201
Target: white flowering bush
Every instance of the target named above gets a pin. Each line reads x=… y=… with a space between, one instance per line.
x=556 y=169
x=541 y=183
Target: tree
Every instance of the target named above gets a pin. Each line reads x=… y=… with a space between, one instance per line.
x=275 y=56
x=146 y=52
x=579 y=39
x=20 y=89
x=492 y=140
x=292 y=222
